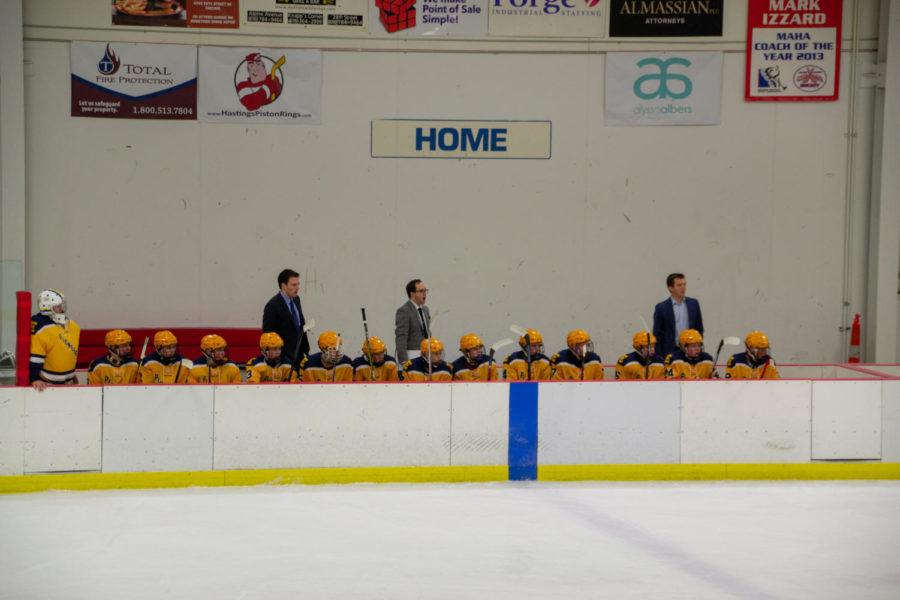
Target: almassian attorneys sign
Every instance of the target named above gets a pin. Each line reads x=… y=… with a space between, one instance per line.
x=402 y=138
x=682 y=88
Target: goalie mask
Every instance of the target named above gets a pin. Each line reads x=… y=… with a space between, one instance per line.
x=52 y=304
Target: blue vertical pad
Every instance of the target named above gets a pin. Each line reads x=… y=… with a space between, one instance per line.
x=523 y=430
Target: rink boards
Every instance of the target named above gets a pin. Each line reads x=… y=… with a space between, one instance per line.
x=169 y=436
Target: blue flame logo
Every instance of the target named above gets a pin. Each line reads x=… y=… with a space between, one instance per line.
x=109 y=64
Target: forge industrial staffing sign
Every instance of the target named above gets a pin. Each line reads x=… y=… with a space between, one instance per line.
x=793 y=49
x=406 y=138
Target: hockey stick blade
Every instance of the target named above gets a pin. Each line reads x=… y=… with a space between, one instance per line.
x=517 y=330
x=500 y=344
x=309 y=325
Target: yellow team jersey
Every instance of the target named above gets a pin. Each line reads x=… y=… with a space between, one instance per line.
x=677 y=367
x=312 y=370
x=629 y=366
x=462 y=371
x=260 y=371
x=739 y=367
x=201 y=372
x=417 y=370
x=54 y=350
x=387 y=371
x=154 y=371
x=565 y=366
x=515 y=368
x=103 y=372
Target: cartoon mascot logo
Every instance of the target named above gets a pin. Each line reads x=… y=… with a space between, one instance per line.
x=264 y=81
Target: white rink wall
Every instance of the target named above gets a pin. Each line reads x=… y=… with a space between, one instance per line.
x=211 y=428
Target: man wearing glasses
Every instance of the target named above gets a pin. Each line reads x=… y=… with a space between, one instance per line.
x=412 y=322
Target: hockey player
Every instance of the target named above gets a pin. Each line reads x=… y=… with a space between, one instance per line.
x=534 y=366
x=329 y=365
x=118 y=366
x=473 y=365
x=578 y=361
x=270 y=365
x=54 y=343
x=165 y=364
x=418 y=368
x=214 y=365
x=690 y=361
x=643 y=363
x=754 y=362
x=385 y=366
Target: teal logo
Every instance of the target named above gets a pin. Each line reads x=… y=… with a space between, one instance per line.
x=662 y=80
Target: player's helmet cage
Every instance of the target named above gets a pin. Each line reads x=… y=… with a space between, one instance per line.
x=642 y=339
x=533 y=338
x=116 y=338
x=212 y=342
x=756 y=340
x=689 y=336
x=435 y=345
x=50 y=299
x=579 y=339
x=332 y=346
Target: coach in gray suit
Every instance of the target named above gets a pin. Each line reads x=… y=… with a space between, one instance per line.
x=412 y=322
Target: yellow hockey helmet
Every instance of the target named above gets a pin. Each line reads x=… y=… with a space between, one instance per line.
x=756 y=339
x=164 y=338
x=436 y=345
x=533 y=337
x=578 y=336
x=329 y=339
x=270 y=339
x=212 y=342
x=375 y=344
x=116 y=337
x=469 y=342
x=689 y=336
x=642 y=339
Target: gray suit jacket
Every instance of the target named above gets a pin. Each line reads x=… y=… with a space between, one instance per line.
x=408 y=332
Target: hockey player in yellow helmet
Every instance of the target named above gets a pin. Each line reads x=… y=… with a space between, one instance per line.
x=754 y=362
x=430 y=366
x=577 y=361
x=214 y=366
x=689 y=361
x=271 y=365
x=165 y=364
x=643 y=363
x=118 y=365
x=54 y=343
x=327 y=365
x=533 y=366
x=473 y=365
x=375 y=364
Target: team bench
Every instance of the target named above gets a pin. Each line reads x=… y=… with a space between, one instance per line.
x=243 y=344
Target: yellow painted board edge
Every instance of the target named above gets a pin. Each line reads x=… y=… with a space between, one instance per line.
x=15 y=484
x=715 y=472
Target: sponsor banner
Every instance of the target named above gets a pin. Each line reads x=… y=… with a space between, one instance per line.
x=133 y=81
x=260 y=85
x=666 y=18
x=428 y=17
x=793 y=49
x=327 y=15
x=407 y=138
x=219 y=14
x=548 y=18
x=663 y=88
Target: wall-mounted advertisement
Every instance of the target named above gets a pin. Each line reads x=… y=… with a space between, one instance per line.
x=260 y=85
x=793 y=49
x=428 y=17
x=220 y=14
x=670 y=18
x=662 y=88
x=133 y=81
x=327 y=15
x=411 y=138
x=548 y=18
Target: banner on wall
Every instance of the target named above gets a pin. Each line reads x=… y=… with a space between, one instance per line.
x=663 y=88
x=548 y=18
x=793 y=49
x=260 y=85
x=220 y=14
x=133 y=81
x=428 y=17
x=307 y=14
x=632 y=18
x=410 y=138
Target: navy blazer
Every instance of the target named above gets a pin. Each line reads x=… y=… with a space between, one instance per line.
x=664 y=323
x=277 y=318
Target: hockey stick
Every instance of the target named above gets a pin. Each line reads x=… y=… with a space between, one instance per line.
x=144 y=349
x=524 y=334
x=646 y=353
x=497 y=345
x=731 y=341
x=765 y=366
x=431 y=319
x=295 y=366
x=369 y=346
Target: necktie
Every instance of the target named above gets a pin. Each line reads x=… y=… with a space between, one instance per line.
x=422 y=319
x=294 y=316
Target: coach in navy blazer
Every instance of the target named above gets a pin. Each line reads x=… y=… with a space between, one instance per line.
x=664 y=327
x=277 y=316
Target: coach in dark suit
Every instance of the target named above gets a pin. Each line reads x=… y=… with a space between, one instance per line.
x=284 y=316
x=675 y=314
x=411 y=322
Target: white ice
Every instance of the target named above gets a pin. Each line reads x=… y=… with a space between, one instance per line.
x=788 y=540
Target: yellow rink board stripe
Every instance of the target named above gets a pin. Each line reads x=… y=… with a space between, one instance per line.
x=669 y=472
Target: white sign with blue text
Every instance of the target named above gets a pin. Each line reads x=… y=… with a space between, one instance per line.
x=663 y=88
